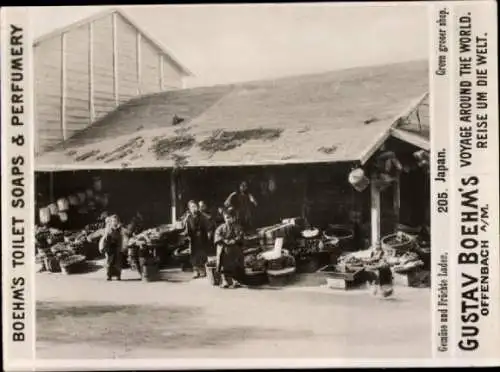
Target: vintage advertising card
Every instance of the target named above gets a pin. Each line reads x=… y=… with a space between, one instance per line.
x=250 y=186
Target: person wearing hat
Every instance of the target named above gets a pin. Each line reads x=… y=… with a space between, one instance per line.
x=229 y=242
x=242 y=202
x=112 y=245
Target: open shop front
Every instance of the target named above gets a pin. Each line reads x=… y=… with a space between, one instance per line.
x=310 y=218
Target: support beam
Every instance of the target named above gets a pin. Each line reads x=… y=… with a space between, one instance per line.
x=115 y=61
x=161 y=72
x=396 y=201
x=173 y=196
x=63 y=87
x=91 y=74
x=139 y=65
x=375 y=214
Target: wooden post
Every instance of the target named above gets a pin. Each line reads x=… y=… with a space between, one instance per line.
x=375 y=214
x=396 y=201
x=63 y=87
x=91 y=73
x=115 y=61
x=138 y=50
x=173 y=195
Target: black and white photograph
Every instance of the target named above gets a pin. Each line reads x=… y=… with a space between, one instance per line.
x=294 y=185
x=263 y=193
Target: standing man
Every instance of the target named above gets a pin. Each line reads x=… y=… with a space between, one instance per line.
x=229 y=243
x=198 y=230
x=112 y=244
x=211 y=222
x=242 y=202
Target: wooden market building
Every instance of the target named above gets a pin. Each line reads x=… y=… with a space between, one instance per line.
x=86 y=70
x=295 y=140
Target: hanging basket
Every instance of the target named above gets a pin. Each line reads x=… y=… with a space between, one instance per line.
x=44 y=214
x=63 y=216
x=358 y=179
x=74 y=200
x=63 y=204
x=82 y=196
x=97 y=184
x=53 y=209
x=89 y=193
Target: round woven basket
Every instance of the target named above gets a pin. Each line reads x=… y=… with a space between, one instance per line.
x=392 y=247
x=343 y=234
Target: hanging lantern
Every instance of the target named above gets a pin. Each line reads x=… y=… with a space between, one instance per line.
x=63 y=204
x=44 y=214
x=74 y=200
x=63 y=216
x=97 y=184
x=82 y=196
x=53 y=209
x=358 y=179
x=89 y=193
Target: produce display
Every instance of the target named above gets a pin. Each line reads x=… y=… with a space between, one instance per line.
x=72 y=260
x=147 y=237
x=255 y=263
x=284 y=262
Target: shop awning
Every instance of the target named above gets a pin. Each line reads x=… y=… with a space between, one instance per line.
x=331 y=117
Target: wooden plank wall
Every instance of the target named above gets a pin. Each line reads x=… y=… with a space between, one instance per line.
x=47 y=66
x=94 y=79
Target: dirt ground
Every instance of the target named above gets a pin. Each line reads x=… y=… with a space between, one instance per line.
x=84 y=316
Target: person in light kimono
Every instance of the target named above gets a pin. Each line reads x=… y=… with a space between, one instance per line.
x=229 y=242
x=112 y=245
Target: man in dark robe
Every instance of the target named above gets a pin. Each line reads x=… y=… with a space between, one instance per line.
x=229 y=242
x=112 y=244
x=242 y=203
x=204 y=210
x=198 y=230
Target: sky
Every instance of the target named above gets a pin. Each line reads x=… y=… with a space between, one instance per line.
x=230 y=43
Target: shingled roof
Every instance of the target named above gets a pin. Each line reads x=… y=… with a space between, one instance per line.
x=329 y=117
